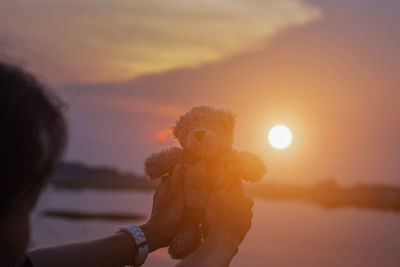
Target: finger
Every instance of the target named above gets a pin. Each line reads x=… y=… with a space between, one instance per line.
x=245 y=224
x=229 y=185
x=243 y=207
x=245 y=219
x=249 y=203
x=176 y=177
x=237 y=197
x=235 y=186
x=231 y=193
x=163 y=188
x=176 y=186
x=168 y=181
x=249 y=217
x=249 y=220
x=220 y=191
x=165 y=183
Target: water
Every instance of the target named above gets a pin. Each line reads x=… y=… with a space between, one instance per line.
x=283 y=233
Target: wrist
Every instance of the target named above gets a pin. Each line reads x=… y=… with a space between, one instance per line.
x=127 y=245
x=223 y=236
x=154 y=239
x=222 y=246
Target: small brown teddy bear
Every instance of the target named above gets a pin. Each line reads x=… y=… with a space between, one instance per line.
x=205 y=162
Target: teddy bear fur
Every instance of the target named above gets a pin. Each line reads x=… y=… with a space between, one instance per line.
x=205 y=161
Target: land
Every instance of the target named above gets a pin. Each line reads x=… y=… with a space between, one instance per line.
x=328 y=194
x=331 y=196
x=78 y=176
x=74 y=215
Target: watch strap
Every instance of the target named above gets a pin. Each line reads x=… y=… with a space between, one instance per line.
x=142 y=247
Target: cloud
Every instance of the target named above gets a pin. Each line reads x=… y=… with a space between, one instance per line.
x=102 y=40
x=128 y=105
x=166 y=136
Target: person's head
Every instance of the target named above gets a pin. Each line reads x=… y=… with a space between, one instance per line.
x=32 y=138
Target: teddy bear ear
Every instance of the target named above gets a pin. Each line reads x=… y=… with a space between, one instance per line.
x=178 y=127
x=228 y=119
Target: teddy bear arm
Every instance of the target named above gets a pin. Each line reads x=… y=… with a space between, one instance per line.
x=250 y=167
x=162 y=163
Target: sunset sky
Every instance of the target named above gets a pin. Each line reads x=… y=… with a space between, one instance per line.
x=329 y=70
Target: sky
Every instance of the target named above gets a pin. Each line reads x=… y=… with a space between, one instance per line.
x=329 y=70
x=101 y=40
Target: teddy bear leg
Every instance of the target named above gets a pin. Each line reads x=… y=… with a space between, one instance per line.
x=186 y=240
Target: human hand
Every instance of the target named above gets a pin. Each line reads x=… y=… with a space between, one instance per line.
x=167 y=211
x=228 y=216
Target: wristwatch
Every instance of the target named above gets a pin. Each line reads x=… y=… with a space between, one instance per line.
x=142 y=247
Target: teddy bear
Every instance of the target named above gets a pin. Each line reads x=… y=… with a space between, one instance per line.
x=205 y=161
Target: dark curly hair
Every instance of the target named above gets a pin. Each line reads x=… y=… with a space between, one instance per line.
x=32 y=134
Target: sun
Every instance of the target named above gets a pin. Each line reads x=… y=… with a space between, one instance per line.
x=280 y=137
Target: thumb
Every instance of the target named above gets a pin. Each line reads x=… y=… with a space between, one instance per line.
x=176 y=181
x=162 y=189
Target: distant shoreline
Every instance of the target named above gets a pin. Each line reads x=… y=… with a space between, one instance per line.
x=78 y=176
x=77 y=216
x=328 y=194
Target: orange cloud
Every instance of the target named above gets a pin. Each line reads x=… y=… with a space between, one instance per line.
x=165 y=136
x=132 y=105
x=102 y=40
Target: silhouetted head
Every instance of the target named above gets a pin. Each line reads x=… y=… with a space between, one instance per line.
x=206 y=131
x=32 y=138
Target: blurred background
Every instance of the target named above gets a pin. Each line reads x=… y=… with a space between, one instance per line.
x=328 y=70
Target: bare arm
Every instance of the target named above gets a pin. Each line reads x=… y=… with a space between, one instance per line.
x=119 y=249
x=229 y=217
x=116 y=250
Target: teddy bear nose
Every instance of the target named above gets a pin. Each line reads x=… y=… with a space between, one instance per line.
x=199 y=134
